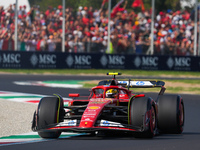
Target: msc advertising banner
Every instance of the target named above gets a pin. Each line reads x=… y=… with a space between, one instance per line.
x=47 y=60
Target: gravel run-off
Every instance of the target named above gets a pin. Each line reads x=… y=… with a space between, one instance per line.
x=15 y=117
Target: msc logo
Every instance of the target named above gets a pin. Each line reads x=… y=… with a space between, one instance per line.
x=146 y=61
x=179 y=62
x=78 y=60
x=10 y=58
x=112 y=60
x=47 y=59
x=82 y=60
x=182 y=62
x=116 y=60
x=150 y=61
x=43 y=59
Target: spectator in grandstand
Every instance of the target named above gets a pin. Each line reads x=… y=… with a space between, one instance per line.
x=131 y=43
x=33 y=42
x=22 y=10
x=22 y=43
x=41 y=44
x=96 y=15
x=2 y=33
x=8 y=42
x=58 y=41
x=122 y=44
x=90 y=12
x=79 y=13
x=139 y=45
x=78 y=44
x=70 y=43
x=51 y=44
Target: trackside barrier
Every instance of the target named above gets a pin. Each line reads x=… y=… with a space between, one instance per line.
x=48 y=60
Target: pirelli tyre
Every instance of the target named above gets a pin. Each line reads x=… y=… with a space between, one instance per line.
x=170 y=114
x=143 y=115
x=50 y=111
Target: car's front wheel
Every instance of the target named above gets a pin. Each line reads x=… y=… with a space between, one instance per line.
x=50 y=111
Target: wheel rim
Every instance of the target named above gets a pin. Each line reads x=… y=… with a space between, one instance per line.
x=153 y=118
x=181 y=117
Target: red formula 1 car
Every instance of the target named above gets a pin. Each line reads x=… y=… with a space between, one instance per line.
x=111 y=108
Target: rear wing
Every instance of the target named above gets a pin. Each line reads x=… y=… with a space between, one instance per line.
x=141 y=84
x=133 y=84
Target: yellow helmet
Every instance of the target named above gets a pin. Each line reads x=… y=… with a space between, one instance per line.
x=111 y=93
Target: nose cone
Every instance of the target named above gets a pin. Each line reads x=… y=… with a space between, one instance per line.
x=92 y=112
x=90 y=116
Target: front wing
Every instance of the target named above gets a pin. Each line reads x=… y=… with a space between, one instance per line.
x=103 y=125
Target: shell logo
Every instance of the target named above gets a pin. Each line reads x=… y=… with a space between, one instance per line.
x=94 y=107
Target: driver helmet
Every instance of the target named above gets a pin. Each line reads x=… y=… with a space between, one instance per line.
x=111 y=93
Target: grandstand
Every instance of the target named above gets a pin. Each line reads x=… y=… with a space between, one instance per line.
x=87 y=30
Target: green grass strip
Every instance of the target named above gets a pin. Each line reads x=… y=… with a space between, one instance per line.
x=21 y=137
x=31 y=136
x=10 y=97
x=102 y=72
x=64 y=81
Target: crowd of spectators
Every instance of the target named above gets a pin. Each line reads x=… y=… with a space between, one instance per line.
x=86 y=30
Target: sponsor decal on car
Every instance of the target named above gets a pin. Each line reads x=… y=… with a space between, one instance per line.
x=106 y=123
x=110 y=123
x=89 y=115
x=98 y=101
x=94 y=107
x=136 y=83
x=68 y=123
x=140 y=83
x=87 y=119
x=92 y=110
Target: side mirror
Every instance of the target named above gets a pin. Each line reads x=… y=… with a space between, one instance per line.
x=74 y=94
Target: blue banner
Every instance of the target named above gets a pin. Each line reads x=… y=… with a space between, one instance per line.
x=48 y=60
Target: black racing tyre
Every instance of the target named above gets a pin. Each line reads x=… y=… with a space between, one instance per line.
x=139 y=109
x=50 y=111
x=170 y=114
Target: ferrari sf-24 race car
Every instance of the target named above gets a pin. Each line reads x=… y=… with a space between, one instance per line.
x=111 y=107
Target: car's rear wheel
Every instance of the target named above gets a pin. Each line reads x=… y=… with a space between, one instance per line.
x=143 y=114
x=170 y=114
x=50 y=111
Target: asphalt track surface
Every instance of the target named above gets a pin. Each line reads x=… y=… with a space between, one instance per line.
x=189 y=139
